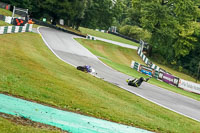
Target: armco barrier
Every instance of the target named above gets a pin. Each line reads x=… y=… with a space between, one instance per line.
x=189 y=86
x=55 y=27
x=15 y=29
x=90 y=37
x=125 y=37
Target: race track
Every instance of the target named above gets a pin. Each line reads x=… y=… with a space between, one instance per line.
x=67 y=49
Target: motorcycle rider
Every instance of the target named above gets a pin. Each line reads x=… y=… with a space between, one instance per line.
x=136 y=82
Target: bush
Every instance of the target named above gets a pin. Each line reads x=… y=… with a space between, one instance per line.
x=135 y=32
x=125 y=30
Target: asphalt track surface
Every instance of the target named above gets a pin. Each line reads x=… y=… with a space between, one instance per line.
x=67 y=49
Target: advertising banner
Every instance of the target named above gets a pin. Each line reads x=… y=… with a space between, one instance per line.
x=168 y=78
x=146 y=70
x=189 y=86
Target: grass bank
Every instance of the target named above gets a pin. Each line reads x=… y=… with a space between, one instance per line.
x=2 y=23
x=120 y=59
x=107 y=36
x=29 y=70
x=6 y=12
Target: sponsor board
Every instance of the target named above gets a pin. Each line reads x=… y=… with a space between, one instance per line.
x=189 y=86
x=146 y=70
x=168 y=78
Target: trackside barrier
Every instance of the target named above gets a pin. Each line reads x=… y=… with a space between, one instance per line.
x=8 y=19
x=146 y=60
x=144 y=69
x=90 y=37
x=55 y=27
x=135 y=65
x=189 y=86
x=165 y=76
x=104 y=31
x=168 y=78
x=15 y=29
x=125 y=37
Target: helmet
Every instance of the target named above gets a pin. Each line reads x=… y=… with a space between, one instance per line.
x=128 y=80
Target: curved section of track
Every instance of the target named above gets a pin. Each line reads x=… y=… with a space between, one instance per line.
x=70 y=51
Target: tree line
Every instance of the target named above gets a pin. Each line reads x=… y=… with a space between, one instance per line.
x=170 y=27
x=89 y=13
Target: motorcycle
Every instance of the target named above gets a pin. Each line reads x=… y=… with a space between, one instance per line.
x=137 y=82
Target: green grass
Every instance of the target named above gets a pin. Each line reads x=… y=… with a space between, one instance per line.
x=7 y=126
x=120 y=59
x=30 y=70
x=6 y=12
x=70 y=29
x=107 y=36
x=2 y=23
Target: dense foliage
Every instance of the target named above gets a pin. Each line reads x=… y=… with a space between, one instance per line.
x=173 y=27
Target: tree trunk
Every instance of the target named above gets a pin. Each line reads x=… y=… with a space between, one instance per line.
x=149 y=51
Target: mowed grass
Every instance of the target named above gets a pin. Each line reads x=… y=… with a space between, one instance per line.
x=70 y=29
x=106 y=36
x=6 y=12
x=29 y=70
x=120 y=58
x=2 y=23
x=7 y=126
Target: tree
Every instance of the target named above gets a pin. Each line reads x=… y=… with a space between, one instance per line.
x=169 y=22
x=172 y=24
x=99 y=14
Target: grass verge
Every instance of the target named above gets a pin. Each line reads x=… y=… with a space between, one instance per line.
x=71 y=29
x=30 y=70
x=6 y=12
x=107 y=36
x=10 y=124
x=2 y=23
x=120 y=58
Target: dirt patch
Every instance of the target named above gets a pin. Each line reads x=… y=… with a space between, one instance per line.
x=26 y=122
